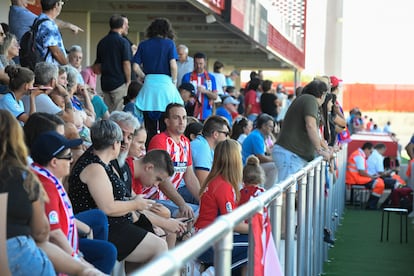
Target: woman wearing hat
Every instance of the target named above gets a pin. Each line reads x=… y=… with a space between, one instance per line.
x=51 y=153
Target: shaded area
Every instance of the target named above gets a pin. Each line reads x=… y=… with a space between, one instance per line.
x=358 y=250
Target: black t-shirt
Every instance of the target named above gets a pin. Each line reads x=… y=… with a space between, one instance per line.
x=268 y=105
x=19 y=205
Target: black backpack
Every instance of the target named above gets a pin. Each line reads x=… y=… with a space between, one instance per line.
x=28 y=54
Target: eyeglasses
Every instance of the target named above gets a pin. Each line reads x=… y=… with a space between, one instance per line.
x=224 y=132
x=68 y=156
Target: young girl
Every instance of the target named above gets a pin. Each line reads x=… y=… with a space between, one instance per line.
x=253 y=177
x=21 y=83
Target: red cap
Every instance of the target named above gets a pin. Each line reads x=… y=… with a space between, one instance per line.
x=335 y=81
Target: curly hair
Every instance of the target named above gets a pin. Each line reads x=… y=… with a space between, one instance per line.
x=160 y=27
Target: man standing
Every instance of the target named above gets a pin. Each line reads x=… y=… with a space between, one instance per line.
x=177 y=145
x=298 y=140
x=113 y=58
x=185 y=63
x=205 y=85
x=357 y=174
x=48 y=39
x=215 y=130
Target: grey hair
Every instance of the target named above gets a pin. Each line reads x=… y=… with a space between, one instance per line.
x=45 y=72
x=75 y=48
x=182 y=46
x=7 y=43
x=105 y=133
x=126 y=118
x=72 y=75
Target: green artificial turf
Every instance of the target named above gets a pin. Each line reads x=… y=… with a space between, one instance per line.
x=359 y=251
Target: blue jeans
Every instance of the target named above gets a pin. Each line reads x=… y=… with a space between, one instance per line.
x=174 y=208
x=99 y=251
x=286 y=162
x=25 y=258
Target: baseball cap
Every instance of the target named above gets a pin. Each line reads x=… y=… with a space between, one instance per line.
x=230 y=100
x=49 y=144
x=335 y=81
x=189 y=87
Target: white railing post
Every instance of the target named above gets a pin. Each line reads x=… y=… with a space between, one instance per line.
x=309 y=220
x=290 y=230
x=251 y=249
x=222 y=255
x=301 y=232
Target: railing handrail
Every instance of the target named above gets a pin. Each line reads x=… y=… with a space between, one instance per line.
x=173 y=260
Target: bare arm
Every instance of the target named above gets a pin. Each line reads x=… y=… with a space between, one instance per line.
x=169 y=190
x=126 y=65
x=174 y=70
x=100 y=187
x=201 y=175
x=191 y=181
x=210 y=94
x=57 y=237
x=137 y=69
x=67 y=25
x=58 y=55
x=312 y=130
x=410 y=150
x=242 y=228
x=4 y=268
x=263 y=158
x=39 y=223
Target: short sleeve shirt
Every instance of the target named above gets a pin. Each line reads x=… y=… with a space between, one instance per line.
x=43 y=104
x=253 y=144
x=180 y=154
x=202 y=154
x=10 y=103
x=49 y=35
x=158 y=63
x=375 y=163
x=218 y=199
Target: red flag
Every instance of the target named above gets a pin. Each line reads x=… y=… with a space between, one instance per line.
x=266 y=261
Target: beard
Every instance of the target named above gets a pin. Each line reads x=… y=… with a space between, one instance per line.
x=121 y=158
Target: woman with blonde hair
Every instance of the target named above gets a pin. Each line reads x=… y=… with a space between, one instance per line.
x=219 y=195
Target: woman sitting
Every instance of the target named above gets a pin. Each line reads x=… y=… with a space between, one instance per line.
x=94 y=184
x=219 y=195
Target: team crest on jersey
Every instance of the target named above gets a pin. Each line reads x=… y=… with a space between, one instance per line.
x=53 y=217
x=229 y=208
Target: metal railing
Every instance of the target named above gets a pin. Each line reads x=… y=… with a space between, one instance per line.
x=316 y=208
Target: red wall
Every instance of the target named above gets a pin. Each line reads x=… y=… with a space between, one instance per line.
x=379 y=97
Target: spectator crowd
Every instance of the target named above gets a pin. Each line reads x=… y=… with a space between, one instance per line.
x=123 y=174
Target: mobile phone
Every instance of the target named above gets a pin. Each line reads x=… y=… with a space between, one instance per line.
x=188 y=220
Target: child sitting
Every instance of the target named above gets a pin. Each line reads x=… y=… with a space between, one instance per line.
x=253 y=177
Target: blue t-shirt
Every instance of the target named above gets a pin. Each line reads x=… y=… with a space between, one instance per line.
x=132 y=108
x=10 y=103
x=48 y=35
x=20 y=20
x=111 y=52
x=253 y=144
x=202 y=154
x=221 y=111
x=155 y=55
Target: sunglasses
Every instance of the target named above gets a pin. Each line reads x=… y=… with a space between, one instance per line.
x=68 y=156
x=224 y=132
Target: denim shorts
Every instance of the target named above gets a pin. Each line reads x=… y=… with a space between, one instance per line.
x=287 y=162
x=25 y=258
